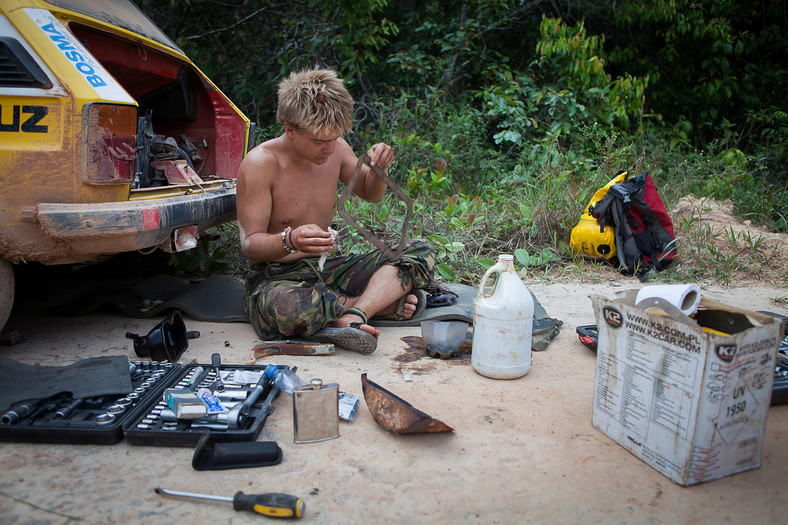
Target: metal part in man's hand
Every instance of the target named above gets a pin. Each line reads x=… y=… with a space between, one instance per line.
x=368 y=234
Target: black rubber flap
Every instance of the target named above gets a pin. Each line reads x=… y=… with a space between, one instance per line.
x=95 y=376
x=211 y=455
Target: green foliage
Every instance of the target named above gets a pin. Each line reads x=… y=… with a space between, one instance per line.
x=446 y=45
x=533 y=112
x=247 y=47
x=541 y=258
x=505 y=116
x=385 y=219
x=437 y=143
x=709 y=62
x=218 y=251
x=204 y=259
x=446 y=253
x=357 y=37
x=568 y=56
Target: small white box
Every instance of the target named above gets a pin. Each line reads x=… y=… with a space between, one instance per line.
x=347 y=406
x=690 y=402
x=185 y=403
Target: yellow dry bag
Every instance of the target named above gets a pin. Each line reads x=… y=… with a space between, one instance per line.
x=586 y=239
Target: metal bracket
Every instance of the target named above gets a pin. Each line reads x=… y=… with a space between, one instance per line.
x=368 y=234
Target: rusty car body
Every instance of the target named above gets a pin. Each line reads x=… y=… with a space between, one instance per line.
x=111 y=139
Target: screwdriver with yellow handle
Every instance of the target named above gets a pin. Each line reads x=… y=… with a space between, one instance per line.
x=272 y=504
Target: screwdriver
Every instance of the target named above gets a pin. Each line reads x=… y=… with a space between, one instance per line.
x=272 y=504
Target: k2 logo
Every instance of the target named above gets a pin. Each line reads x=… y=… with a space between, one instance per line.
x=726 y=352
x=612 y=316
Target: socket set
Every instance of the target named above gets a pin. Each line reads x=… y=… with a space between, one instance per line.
x=93 y=420
x=142 y=415
x=244 y=393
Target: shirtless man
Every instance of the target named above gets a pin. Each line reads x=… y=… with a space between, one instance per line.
x=287 y=189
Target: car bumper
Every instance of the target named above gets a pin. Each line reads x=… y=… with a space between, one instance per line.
x=136 y=224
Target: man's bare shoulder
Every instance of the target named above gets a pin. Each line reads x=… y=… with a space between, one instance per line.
x=344 y=149
x=262 y=164
x=347 y=159
x=264 y=155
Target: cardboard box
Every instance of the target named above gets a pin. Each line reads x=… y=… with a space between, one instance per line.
x=692 y=403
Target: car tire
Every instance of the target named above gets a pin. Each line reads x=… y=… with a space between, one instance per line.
x=6 y=291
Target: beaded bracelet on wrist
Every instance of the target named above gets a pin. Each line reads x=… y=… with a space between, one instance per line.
x=287 y=248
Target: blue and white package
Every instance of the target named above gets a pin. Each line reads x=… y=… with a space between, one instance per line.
x=347 y=406
x=210 y=400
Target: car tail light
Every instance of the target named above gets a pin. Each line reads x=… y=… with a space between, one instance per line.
x=110 y=142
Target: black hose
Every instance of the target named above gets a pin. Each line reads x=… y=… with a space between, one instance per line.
x=185 y=156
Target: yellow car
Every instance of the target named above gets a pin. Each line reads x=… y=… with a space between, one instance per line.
x=111 y=139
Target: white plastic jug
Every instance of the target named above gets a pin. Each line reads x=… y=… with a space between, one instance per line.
x=502 y=324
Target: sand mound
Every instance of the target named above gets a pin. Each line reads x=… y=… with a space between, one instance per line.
x=738 y=250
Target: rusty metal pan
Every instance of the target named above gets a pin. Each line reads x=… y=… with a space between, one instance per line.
x=397 y=415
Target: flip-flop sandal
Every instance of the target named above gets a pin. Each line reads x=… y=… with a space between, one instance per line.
x=349 y=337
x=398 y=315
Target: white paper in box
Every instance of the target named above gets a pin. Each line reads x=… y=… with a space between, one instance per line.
x=688 y=402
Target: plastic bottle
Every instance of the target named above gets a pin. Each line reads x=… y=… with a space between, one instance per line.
x=284 y=378
x=502 y=324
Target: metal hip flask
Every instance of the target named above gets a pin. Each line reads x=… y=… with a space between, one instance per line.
x=315 y=412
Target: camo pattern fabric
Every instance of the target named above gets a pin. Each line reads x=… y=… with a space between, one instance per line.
x=298 y=299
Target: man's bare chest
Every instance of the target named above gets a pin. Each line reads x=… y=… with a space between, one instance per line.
x=300 y=200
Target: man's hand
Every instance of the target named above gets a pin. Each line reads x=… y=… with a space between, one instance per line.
x=311 y=238
x=380 y=155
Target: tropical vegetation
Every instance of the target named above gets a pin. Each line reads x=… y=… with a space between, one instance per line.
x=507 y=115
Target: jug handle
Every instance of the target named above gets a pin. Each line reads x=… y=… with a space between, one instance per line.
x=495 y=268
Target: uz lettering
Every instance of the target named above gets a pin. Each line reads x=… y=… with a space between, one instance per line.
x=30 y=125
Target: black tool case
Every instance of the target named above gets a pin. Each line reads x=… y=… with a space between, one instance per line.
x=137 y=415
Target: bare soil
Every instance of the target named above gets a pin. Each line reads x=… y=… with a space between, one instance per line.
x=712 y=221
x=522 y=448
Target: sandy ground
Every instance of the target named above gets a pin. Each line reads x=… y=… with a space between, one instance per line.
x=521 y=450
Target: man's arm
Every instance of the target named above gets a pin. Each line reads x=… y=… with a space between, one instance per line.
x=368 y=185
x=254 y=203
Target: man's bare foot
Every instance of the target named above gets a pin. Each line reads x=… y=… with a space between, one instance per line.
x=408 y=308
x=349 y=318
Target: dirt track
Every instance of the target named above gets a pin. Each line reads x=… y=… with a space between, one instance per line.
x=521 y=450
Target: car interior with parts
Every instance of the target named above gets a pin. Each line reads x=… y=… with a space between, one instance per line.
x=113 y=140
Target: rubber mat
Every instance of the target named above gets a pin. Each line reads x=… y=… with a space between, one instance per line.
x=545 y=328
x=95 y=376
x=219 y=298
x=461 y=310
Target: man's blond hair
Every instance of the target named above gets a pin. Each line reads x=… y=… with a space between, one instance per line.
x=316 y=101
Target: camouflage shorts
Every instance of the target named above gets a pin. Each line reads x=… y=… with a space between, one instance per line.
x=298 y=299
